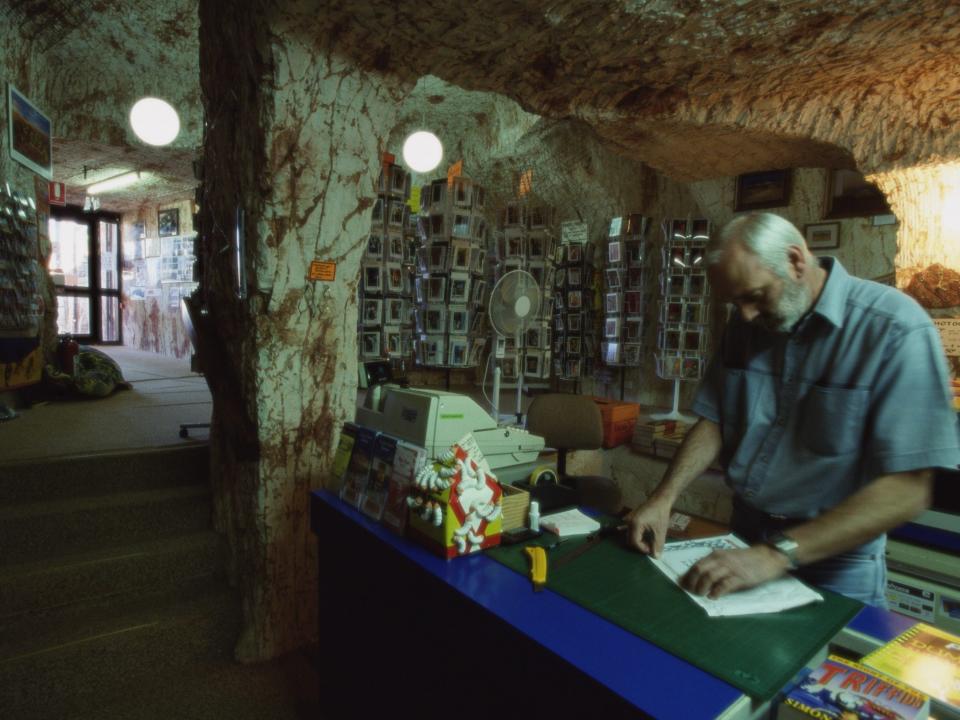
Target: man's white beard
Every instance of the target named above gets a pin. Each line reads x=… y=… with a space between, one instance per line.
x=794 y=303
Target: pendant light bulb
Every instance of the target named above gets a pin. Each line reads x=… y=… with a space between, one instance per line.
x=154 y=121
x=422 y=151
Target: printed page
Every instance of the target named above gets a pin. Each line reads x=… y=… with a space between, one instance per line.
x=773 y=596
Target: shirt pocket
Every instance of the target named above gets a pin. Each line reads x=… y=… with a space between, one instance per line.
x=833 y=418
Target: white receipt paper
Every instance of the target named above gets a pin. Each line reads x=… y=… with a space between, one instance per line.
x=569 y=522
x=773 y=596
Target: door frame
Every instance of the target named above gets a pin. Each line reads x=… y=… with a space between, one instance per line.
x=95 y=292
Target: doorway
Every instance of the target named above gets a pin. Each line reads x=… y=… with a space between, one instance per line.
x=85 y=252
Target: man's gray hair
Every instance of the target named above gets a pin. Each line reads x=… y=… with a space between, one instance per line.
x=766 y=235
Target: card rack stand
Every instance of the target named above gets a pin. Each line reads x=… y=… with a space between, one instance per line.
x=623 y=280
x=574 y=340
x=526 y=240
x=684 y=306
x=450 y=284
x=385 y=291
x=20 y=305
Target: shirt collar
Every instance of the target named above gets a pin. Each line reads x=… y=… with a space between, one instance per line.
x=833 y=298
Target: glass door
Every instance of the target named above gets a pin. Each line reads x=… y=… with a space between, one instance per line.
x=85 y=264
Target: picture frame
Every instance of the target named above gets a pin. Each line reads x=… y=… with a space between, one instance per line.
x=30 y=134
x=761 y=190
x=508 y=367
x=370 y=344
x=168 y=222
x=459 y=320
x=394 y=311
x=822 y=236
x=375 y=246
x=457 y=352
x=372 y=281
x=394 y=344
x=850 y=194
x=372 y=312
x=614 y=252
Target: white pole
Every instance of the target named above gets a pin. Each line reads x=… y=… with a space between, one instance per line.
x=496 y=391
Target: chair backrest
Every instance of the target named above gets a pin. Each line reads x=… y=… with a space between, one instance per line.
x=566 y=421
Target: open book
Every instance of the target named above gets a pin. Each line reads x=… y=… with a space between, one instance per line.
x=773 y=596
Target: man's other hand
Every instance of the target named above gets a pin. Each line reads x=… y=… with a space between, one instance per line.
x=648 y=527
x=726 y=571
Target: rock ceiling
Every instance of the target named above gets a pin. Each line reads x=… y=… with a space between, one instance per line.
x=695 y=88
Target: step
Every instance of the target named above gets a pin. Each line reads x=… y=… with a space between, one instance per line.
x=72 y=668
x=103 y=473
x=48 y=585
x=32 y=531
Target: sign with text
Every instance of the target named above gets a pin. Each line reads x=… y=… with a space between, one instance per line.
x=573 y=233
x=322 y=270
x=949 y=334
x=57 y=193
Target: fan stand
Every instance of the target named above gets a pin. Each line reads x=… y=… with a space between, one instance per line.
x=675 y=413
x=495 y=401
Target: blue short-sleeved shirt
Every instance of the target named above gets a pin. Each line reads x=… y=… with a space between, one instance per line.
x=859 y=389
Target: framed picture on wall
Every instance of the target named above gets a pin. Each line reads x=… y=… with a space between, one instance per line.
x=760 y=190
x=849 y=194
x=168 y=222
x=30 y=134
x=822 y=236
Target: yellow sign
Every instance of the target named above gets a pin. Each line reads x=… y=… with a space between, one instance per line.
x=322 y=270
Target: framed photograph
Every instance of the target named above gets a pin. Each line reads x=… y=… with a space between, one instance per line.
x=30 y=134
x=397 y=209
x=370 y=344
x=374 y=247
x=531 y=363
x=573 y=277
x=476 y=350
x=395 y=282
x=459 y=320
x=437 y=289
x=611 y=353
x=372 y=282
x=372 y=310
x=436 y=347
x=612 y=303
x=396 y=248
x=574 y=300
x=574 y=254
x=458 y=352
x=461 y=225
x=168 y=222
x=574 y=323
x=573 y=345
x=461 y=255
x=760 y=190
x=613 y=279
x=394 y=346
x=631 y=354
x=614 y=252
x=508 y=367
x=533 y=337
x=612 y=328
x=394 y=311
x=821 y=236
x=850 y=195
x=479 y=288
x=459 y=287
x=435 y=319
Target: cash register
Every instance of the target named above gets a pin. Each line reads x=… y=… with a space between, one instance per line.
x=435 y=420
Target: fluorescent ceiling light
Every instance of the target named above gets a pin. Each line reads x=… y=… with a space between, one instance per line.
x=154 y=121
x=114 y=183
x=422 y=151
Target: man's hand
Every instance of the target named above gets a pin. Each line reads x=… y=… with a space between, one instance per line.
x=726 y=571
x=648 y=527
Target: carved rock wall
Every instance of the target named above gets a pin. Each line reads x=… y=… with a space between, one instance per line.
x=310 y=135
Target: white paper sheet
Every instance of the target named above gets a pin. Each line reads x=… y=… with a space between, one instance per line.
x=569 y=522
x=773 y=596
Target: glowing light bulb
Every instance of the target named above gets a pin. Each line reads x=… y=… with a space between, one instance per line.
x=422 y=151
x=154 y=121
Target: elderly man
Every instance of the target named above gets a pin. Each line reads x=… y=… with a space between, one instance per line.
x=828 y=405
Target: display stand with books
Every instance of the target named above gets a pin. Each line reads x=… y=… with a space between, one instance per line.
x=926 y=658
x=840 y=688
x=574 y=342
x=623 y=294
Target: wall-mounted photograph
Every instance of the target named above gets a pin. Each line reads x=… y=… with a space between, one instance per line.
x=822 y=236
x=761 y=190
x=849 y=194
x=168 y=222
x=30 y=134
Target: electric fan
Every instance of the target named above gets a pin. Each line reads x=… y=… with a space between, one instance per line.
x=514 y=302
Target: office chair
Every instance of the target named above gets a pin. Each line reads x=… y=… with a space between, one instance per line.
x=573 y=422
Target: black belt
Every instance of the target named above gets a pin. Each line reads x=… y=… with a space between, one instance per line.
x=753 y=524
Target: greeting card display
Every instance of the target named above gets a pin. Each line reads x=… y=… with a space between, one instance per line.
x=684 y=304
x=573 y=345
x=386 y=289
x=450 y=264
x=626 y=248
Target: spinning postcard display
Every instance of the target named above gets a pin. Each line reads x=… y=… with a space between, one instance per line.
x=682 y=327
x=450 y=287
x=623 y=295
x=573 y=292
x=386 y=293
x=525 y=242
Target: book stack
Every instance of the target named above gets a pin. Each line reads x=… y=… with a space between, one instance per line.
x=841 y=688
x=925 y=658
x=667 y=445
x=646 y=433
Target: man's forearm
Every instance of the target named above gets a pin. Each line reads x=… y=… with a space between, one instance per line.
x=885 y=503
x=699 y=448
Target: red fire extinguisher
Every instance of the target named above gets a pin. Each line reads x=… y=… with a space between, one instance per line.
x=68 y=351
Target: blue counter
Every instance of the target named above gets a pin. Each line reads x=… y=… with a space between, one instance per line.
x=399 y=598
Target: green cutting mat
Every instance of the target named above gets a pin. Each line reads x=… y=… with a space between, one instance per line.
x=757 y=654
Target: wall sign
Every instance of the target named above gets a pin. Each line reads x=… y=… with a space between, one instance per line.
x=949 y=334
x=30 y=134
x=573 y=233
x=322 y=270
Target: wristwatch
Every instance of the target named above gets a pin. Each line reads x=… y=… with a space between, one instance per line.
x=784 y=545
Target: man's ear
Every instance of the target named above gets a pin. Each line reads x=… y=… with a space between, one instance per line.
x=797 y=261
